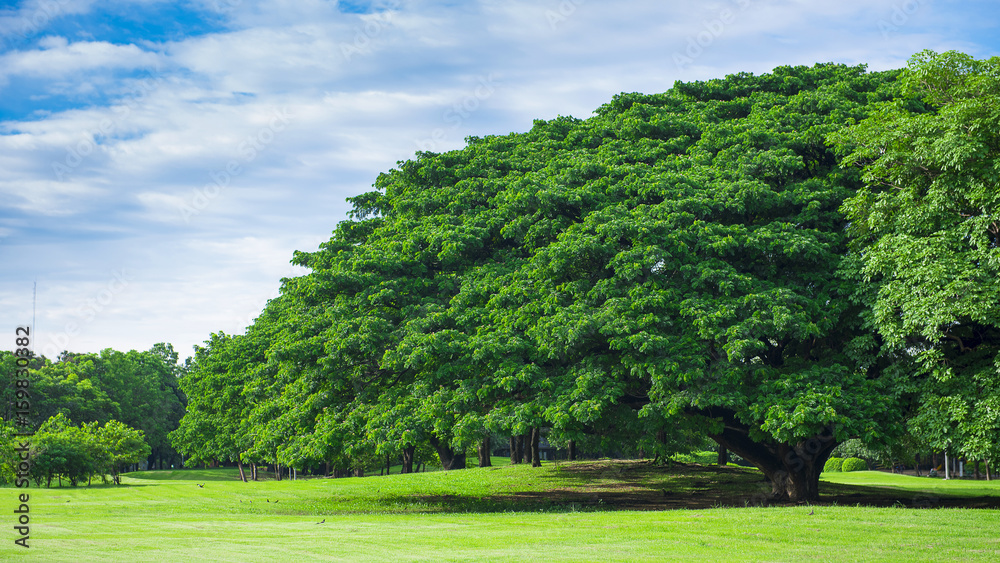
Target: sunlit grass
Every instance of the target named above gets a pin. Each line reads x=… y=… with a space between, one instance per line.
x=493 y=514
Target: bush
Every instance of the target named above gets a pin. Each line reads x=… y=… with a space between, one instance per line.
x=833 y=464
x=701 y=458
x=854 y=464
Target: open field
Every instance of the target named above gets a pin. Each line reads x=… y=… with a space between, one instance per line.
x=581 y=511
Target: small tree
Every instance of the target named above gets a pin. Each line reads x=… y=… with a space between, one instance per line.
x=120 y=445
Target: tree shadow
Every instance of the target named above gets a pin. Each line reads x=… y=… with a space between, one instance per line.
x=607 y=485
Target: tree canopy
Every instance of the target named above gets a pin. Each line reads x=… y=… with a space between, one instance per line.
x=669 y=264
x=926 y=243
x=779 y=262
x=138 y=389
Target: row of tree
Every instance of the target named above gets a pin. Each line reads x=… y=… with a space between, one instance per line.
x=138 y=389
x=61 y=450
x=780 y=262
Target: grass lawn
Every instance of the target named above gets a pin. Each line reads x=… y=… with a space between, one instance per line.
x=581 y=511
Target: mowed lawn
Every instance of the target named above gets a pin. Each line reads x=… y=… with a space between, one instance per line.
x=583 y=511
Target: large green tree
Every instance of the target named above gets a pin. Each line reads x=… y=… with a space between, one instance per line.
x=926 y=243
x=668 y=264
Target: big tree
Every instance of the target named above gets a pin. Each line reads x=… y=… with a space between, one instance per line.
x=670 y=263
x=707 y=287
x=926 y=243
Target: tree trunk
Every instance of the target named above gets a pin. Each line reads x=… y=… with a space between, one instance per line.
x=484 y=452
x=239 y=464
x=571 y=454
x=792 y=469
x=450 y=459
x=986 y=462
x=277 y=471
x=524 y=447
x=723 y=456
x=408 y=453
x=536 y=436
x=514 y=457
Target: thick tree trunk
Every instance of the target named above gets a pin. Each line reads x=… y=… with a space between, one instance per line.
x=536 y=436
x=484 y=452
x=239 y=464
x=526 y=447
x=792 y=469
x=450 y=459
x=408 y=453
x=517 y=453
x=571 y=454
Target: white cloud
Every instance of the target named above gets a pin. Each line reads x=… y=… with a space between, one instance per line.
x=59 y=58
x=358 y=92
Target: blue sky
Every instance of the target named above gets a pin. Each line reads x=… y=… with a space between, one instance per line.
x=160 y=161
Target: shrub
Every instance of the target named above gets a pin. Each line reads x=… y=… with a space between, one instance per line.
x=833 y=464
x=854 y=464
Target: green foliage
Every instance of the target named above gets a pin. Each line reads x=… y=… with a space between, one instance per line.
x=662 y=269
x=856 y=448
x=833 y=464
x=8 y=457
x=854 y=464
x=702 y=458
x=139 y=389
x=61 y=450
x=926 y=244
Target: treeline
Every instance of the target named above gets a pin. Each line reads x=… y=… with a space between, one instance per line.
x=59 y=450
x=779 y=262
x=136 y=390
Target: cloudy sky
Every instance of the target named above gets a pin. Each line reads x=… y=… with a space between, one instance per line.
x=161 y=160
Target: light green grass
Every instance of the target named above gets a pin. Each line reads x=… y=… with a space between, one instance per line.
x=165 y=516
x=926 y=485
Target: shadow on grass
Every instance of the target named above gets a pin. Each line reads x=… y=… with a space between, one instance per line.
x=186 y=475
x=641 y=485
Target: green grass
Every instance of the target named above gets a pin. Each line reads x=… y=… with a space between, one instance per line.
x=572 y=512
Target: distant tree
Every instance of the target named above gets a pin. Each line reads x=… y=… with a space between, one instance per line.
x=118 y=446
x=8 y=457
x=215 y=425
x=60 y=450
